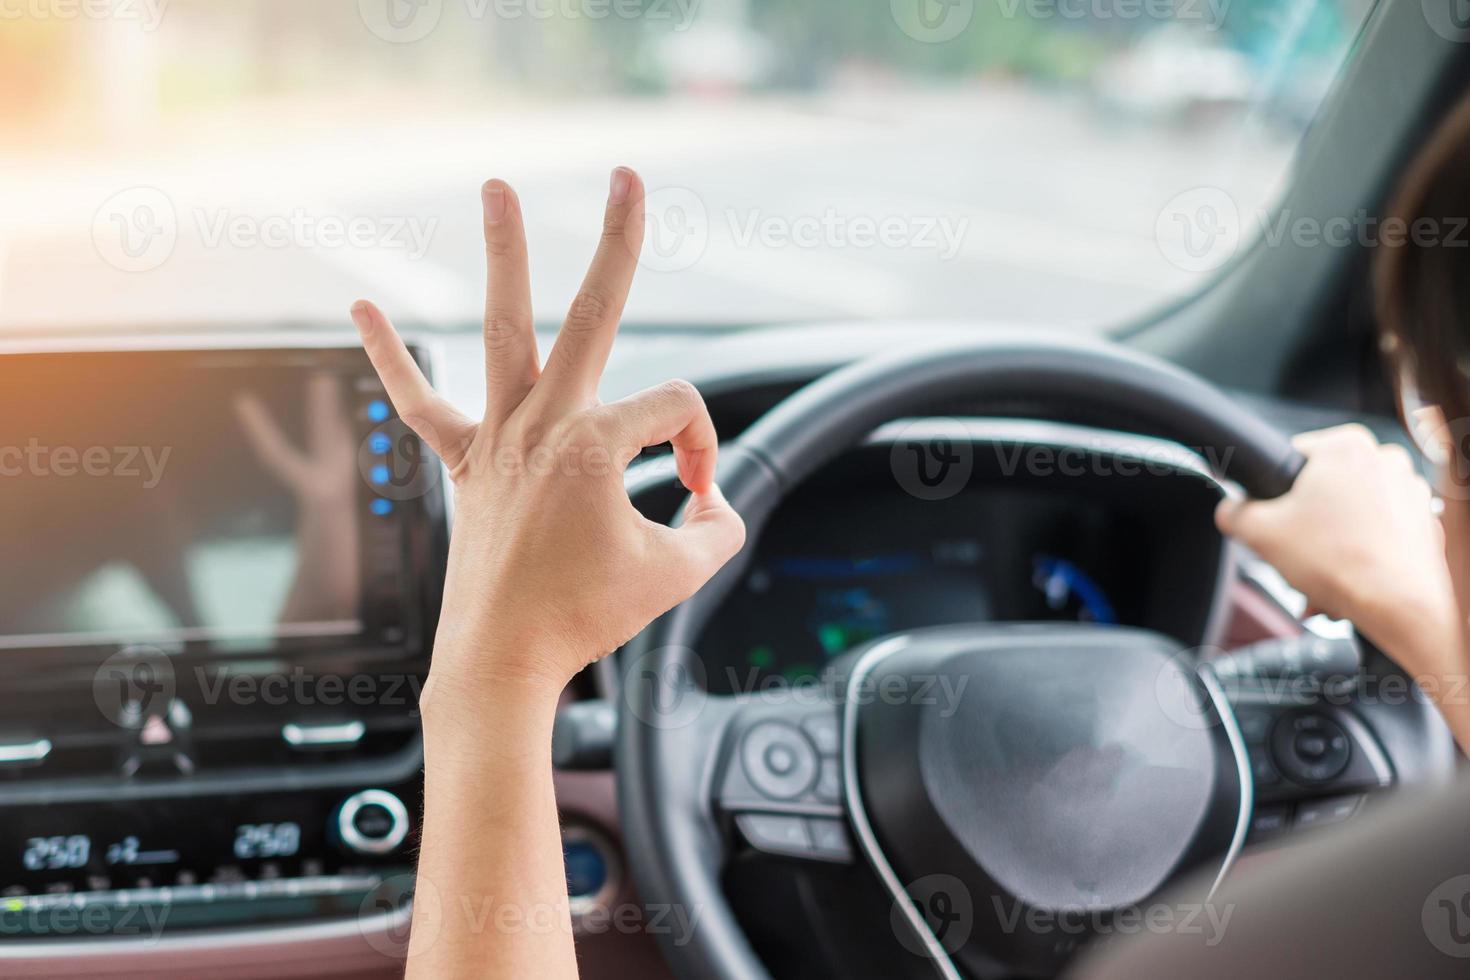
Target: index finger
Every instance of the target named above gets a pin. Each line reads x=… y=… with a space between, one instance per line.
x=581 y=350
x=673 y=412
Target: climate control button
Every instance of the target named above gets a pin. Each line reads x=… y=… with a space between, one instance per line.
x=373 y=821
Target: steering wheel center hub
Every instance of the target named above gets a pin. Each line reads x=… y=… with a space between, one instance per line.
x=1070 y=772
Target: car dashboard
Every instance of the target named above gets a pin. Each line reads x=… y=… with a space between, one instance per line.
x=273 y=833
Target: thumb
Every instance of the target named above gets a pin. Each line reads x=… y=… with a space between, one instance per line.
x=710 y=535
x=1249 y=520
x=1227 y=514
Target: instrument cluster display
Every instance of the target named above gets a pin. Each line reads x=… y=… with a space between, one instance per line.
x=836 y=572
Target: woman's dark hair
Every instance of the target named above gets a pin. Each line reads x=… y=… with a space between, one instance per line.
x=1421 y=270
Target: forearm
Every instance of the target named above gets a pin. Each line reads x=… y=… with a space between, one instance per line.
x=550 y=567
x=1440 y=672
x=1430 y=644
x=491 y=895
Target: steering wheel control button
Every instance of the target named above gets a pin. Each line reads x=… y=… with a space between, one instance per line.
x=1310 y=748
x=776 y=833
x=1270 y=821
x=829 y=782
x=1324 y=813
x=1263 y=770
x=824 y=732
x=779 y=760
x=373 y=821
x=829 y=839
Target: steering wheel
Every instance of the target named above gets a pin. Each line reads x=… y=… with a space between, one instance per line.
x=1087 y=767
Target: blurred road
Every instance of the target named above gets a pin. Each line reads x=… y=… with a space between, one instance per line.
x=996 y=203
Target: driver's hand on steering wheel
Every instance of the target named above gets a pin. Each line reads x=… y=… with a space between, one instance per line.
x=1358 y=536
x=550 y=566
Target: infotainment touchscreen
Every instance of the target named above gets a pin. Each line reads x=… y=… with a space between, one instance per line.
x=210 y=502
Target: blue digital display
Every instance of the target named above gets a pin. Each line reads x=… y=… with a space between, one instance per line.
x=1065 y=587
x=586 y=868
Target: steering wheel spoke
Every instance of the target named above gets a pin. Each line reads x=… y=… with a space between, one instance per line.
x=1314 y=761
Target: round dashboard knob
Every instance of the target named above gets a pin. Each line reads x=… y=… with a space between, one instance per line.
x=779 y=760
x=373 y=821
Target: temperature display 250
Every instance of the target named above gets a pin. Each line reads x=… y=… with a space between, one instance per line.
x=267 y=840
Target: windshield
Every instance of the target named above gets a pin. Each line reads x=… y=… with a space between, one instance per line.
x=1067 y=162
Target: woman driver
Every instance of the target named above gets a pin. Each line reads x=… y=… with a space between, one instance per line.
x=551 y=567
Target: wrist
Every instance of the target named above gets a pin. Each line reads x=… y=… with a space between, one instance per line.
x=492 y=637
x=1419 y=626
x=472 y=690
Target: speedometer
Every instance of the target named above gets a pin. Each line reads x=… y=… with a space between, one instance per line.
x=1069 y=592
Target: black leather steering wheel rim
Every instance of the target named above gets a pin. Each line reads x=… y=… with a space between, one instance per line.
x=674 y=849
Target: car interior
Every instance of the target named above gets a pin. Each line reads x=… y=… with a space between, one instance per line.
x=956 y=299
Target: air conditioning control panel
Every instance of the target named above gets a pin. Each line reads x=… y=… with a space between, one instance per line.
x=144 y=865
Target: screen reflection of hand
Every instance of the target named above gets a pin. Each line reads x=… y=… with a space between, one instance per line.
x=322 y=478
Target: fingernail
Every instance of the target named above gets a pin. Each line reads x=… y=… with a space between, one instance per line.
x=494 y=195
x=622 y=179
x=360 y=314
